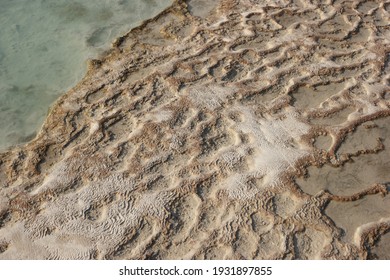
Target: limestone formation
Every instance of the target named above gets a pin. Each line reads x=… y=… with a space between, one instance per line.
x=199 y=136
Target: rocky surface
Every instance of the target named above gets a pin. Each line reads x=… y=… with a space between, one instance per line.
x=206 y=132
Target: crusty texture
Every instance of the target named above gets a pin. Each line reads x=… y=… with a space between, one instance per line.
x=184 y=140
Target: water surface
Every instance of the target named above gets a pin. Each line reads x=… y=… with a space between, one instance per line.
x=44 y=45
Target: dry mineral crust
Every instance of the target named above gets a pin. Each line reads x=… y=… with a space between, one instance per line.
x=210 y=134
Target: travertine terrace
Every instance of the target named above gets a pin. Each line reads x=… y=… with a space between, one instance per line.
x=244 y=130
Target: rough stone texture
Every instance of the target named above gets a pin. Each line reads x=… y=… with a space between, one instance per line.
x=185 y=139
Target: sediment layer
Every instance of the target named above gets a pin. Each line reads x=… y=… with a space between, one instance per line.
x=191 y=137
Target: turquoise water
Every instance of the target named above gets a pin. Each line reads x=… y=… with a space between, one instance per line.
x=44 y=45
